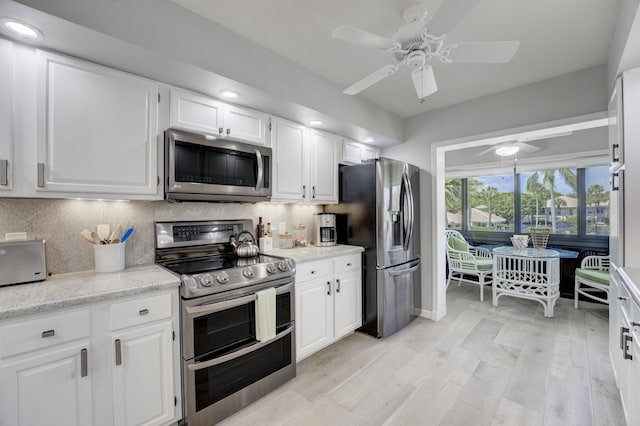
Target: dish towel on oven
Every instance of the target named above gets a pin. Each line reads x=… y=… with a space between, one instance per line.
x=265 y=314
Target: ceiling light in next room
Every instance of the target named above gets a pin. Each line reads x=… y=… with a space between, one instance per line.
x=505 y=151
x=315 y=123
x=21 y=29
x=369 y=140
x=229 y=94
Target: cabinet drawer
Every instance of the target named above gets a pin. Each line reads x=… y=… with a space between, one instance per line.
x=313 y=270
x=350 y=263
x=43 y=332
x=140 y=311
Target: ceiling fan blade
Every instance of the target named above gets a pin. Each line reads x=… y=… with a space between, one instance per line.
x=424 y=81
x=488 y=52
x=527 y=147
x=486 y=151
x=371 y=79
x=354 y=35
x=449 y=14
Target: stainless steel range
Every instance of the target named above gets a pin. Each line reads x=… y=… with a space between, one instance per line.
x=224 y=366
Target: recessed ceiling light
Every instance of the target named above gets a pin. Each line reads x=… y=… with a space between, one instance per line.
x=21 y=29
x=315 y=123
x=369 y=140
x=505 y=151
x=229 y=94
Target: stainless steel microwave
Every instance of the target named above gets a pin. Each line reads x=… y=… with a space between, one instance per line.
x=207 y=168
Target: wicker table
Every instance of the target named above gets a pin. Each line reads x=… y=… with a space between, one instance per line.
x=527 y=273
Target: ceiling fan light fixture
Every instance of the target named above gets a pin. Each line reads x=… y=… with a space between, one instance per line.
x=424 y=81
x=505 y=151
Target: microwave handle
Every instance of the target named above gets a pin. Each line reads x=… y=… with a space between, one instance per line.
x=260 y=180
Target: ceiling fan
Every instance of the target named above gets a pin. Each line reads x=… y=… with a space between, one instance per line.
x=421 y=39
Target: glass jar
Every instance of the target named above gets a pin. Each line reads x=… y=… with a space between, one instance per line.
x=300 y=235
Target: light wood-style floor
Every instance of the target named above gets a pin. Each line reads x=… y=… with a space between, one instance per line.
x=479 y=365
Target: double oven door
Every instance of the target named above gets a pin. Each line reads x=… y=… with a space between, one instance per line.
x=225 y=367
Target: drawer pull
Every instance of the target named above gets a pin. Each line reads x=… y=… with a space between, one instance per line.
x=313 y=272
x=623 y=298
x=48 y=333
x=118 y=352
x=84 y=368
x=338 y=289
x=329 y=288
x=143 y=312
x=348 y=264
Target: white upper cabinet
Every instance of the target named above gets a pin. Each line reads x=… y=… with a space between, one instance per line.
x=290 y=159
x=97 y=130
x=305 y=169
x=6 y=116
x=324 y=167
x=197 y=113
x=356 y=153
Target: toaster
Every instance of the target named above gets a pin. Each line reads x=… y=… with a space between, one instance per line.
x=22 y=262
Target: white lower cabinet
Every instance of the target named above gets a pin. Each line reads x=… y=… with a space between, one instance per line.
x=76 y=367
x=143 y=385
x=328 y=302
x=50 y=388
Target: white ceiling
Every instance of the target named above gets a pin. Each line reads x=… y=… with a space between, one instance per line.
x=556 y=37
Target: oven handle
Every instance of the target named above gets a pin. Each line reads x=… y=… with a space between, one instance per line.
x=201 y=365
x=260 y=180
x=221 y=306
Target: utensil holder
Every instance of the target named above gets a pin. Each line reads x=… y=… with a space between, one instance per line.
x=109 y=257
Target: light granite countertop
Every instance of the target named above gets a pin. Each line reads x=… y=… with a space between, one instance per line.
x=64 y=290
x=311 y=253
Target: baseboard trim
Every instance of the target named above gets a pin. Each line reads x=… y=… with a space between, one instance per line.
x=423 y=313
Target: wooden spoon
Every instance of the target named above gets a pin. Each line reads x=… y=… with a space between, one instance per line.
x=103 y=232
x=115 y=235
x=96 y=239
x=86 y=234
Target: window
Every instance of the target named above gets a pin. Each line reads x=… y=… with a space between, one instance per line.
x=491 y=202
x=549 y=199
x=453 y=201
x=597 y=195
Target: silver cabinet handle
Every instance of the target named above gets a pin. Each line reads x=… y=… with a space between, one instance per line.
x=615 y=155
x=338 y=288
x=623 y=298
x=615 y=182
x=304 y=191
x=313 y=192
x=329 y=288
x=40 y=175
x=220 y=130
x=635 y=324
x=48 y=333
x=228 y=132
x=623 y=331
x=118 y=352
x=4 y=172
x=143 y=312
x=627 y=339
x=84 y=368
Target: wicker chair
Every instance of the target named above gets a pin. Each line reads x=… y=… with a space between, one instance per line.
x=464 y=260
x=592 y=279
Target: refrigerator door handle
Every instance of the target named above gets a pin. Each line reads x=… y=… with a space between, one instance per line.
x=411 y=210
x=407 y=213
x=404 y=271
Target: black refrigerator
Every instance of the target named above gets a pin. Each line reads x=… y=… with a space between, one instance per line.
x=379 y=209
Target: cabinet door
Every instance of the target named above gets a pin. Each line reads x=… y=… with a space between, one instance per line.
x=351 y=152
x=6 y=116
x=324 y=167
x=190 y=111
x=369 y=153
x=347 y=308
x=97 y=129
x=246 y=125
x=290 y=174
x=314 y=316
x=614 y=324
x=143 y=375
x=53 y=388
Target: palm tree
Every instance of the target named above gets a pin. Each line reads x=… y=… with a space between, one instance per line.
x=453 y=194
x=536 y=189
x=486 y=195
x=549 y=180
x=596 y=195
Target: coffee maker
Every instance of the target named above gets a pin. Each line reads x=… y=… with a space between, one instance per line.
x=325 y=234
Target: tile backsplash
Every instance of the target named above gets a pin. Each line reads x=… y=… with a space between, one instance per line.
x=60 y=222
